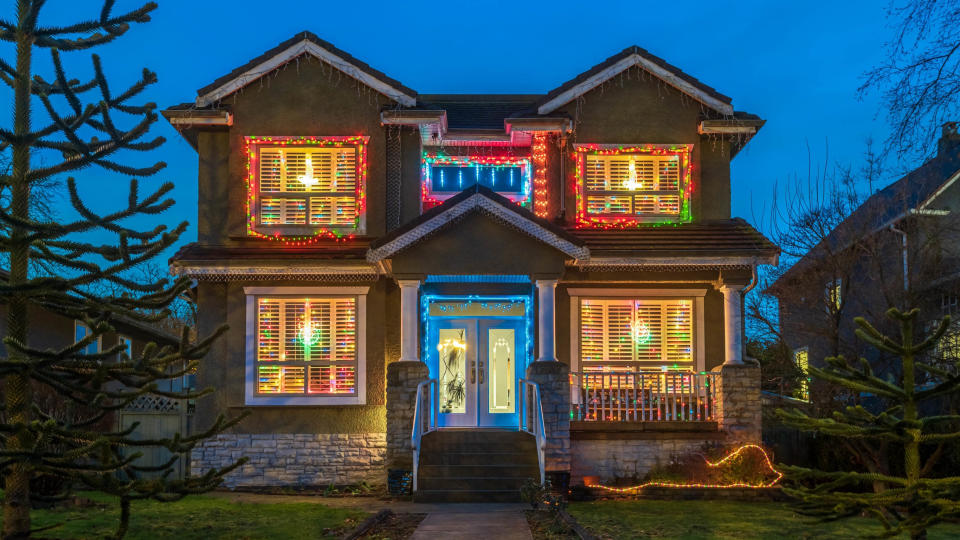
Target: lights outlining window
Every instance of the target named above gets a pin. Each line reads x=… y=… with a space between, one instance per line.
x=306 y=346
x=303 y=188
x=445 y=176
x=624 y=186
x=801 y=357
x=636 y=334
x=81 y=331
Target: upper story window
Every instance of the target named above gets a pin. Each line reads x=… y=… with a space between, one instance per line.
x=445 y=176
x=619 y=185
x=306 y=186
x=81 y=331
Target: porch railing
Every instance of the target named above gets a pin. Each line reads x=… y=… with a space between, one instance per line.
x=643 y=396
x=531 y=419
x=424 y=420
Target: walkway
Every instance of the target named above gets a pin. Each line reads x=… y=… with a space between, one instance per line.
x=474 y=522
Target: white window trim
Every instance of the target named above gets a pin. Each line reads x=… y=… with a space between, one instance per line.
x=698 y=329
x=76 y=324
x=250 y=395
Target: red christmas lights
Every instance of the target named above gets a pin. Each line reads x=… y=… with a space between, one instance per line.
x=540 y=193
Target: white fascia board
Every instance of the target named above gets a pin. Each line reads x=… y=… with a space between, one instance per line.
x=200 y=271
x=628 y=62
x=693 y=260
x=281 y=58
x=225 y=119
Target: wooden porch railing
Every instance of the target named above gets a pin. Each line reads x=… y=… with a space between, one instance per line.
x=643 y=396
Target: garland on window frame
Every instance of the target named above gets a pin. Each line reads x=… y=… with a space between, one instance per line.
x=538 y=152
x=713 y=464
x=580 y=152
x=251 y=145
x=434 y=158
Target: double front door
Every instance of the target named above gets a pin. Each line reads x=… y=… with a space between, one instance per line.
x=477 y=363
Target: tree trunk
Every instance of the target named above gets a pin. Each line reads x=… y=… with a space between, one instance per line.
x=16 y=507
x=124 y=524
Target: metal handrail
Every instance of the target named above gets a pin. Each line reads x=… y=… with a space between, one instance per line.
x=535 y=426
x=418 y=430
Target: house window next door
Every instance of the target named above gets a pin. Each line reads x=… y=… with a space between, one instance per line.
x=476 y=365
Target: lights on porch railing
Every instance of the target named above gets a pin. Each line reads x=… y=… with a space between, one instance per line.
x=777 y=475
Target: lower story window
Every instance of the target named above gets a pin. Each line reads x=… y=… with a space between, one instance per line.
x=631 y=334
x=307 y=349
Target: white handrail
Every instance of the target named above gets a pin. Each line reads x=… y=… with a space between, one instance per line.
x=535 y=425
x=644 y=396
x=418 y=430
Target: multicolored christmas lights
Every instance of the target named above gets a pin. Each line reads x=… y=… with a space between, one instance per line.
x=777 y=475
x=252 y=146
x=430 y=198
x=538 y=153
x=588 y=220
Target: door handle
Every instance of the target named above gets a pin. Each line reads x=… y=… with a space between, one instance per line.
x=481 y=372
x=473 y=372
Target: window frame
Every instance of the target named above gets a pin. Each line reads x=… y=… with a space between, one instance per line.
x=252 y=397
x=253 y=147
x=87 y=331
x=430 y=198
x=694 y=295
x=805 y=370
x=684 y=153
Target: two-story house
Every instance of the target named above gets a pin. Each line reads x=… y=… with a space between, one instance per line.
x=556 y=276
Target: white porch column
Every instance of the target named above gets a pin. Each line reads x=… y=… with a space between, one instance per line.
x=732 y=325
x=546 y=289
x=409 y=319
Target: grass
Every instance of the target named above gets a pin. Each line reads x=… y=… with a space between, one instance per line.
x=199 y=517
x=720 y=520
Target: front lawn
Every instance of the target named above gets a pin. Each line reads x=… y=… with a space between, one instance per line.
x=200 y=517
x=719 y=520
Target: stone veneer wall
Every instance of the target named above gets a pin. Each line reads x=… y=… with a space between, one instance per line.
x=740 y=410
x=295 y=459
x=553 y=378
x=402 y=381
x=631 y=458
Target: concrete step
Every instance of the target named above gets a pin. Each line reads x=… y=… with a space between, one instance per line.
x=472 y=483
x=477 y=458
x=499 y=470
x=467 y=496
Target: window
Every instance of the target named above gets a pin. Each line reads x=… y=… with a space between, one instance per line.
x=80 y=331
x=801 y=357
x=834 y=300
x=949 y=304
x=445 y=176
x=632 y=185
x=305 y=346
x=127 y=350
x=306 y=184
x=636 y=334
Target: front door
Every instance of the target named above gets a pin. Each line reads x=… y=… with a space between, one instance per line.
x=477 y=362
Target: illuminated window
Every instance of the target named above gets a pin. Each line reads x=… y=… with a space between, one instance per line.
x=127 y=350
x=801 y=357
x=306 y=185
x=305 y=347
x=631 y=185
x=445 y=176
x=834 y=300
x=636 y=334
x=80 y=331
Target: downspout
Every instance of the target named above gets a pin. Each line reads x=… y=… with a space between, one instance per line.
x=743 y=301
x=903 y=255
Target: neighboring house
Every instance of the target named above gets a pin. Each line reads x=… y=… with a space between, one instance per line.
x=378 y=252
x=900 y=248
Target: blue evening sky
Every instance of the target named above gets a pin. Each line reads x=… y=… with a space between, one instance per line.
x=798 y=66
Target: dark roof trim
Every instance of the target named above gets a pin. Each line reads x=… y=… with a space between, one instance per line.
x=627 y=58
x=304 y=43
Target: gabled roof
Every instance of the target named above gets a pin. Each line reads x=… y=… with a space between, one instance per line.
x=625 y=59
x=476 y=199
x=304 y=43
x=910 y=195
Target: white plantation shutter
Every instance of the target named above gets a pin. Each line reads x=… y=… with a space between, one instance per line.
x=664 y=333
x=633 y=184
x=331 y=180
x=325 y=364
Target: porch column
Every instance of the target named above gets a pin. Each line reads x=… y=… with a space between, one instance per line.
x=409 y=319
x=546 y=289
x=732 y=324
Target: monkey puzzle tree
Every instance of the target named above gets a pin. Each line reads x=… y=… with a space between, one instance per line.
x=910 y=502
x=63 y=265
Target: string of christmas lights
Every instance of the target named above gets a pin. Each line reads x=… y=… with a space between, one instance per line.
x=539 y=154
x=430 y=199
x=713 y=464
x=587 y=220
x=252 y=146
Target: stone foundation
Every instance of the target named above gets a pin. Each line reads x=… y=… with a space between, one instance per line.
x=554 y=381
x=295 y=459
x=618 y=459
x=402 y=381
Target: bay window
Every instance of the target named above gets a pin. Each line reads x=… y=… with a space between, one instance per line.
x=305 y=345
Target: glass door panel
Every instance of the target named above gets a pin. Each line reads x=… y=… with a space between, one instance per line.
x=454 y=364
x=498 y=370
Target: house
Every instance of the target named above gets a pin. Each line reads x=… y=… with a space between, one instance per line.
x=558 y=276
x=899 y=248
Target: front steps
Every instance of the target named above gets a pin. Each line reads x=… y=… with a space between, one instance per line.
x=475 y=465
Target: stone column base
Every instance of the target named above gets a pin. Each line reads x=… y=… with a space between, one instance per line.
x=402 y=381
x=554 y=381
x=739 y=411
